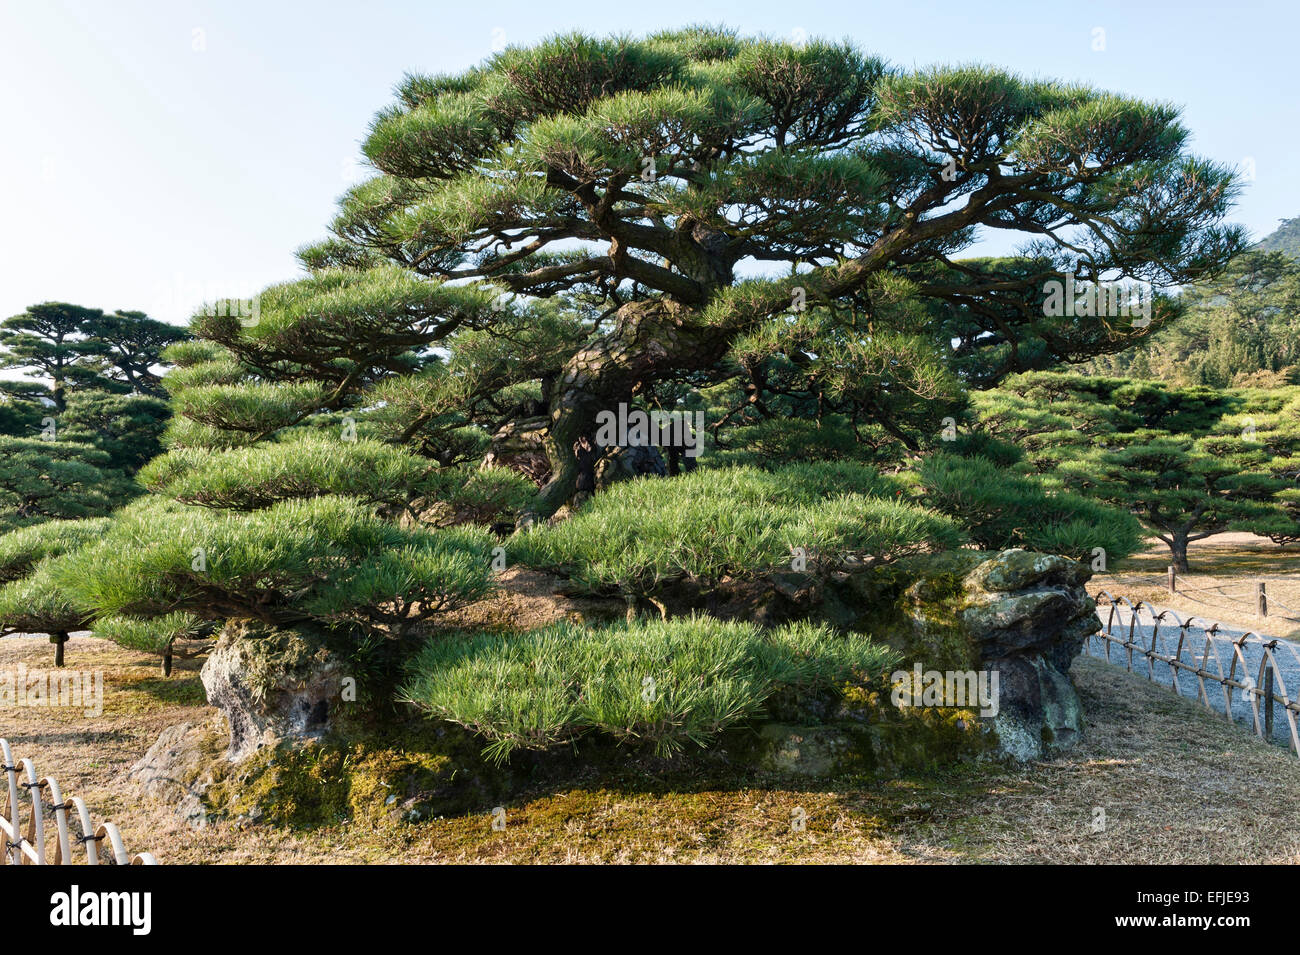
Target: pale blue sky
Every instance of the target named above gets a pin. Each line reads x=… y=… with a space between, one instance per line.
x=157 y=154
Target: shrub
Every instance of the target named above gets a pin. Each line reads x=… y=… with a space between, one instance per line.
x=250 y=410
x=249 y=478
x=730 y=522
x=41 y=480
x=980 y=444
x=1002 y=509
x=665 y=683
x=153 y=635
x=127 y=427
x=869 y=529
x=23 y=549
x=327 y=561
x=312 y=464
x=811 y=482
x=464 y=495
x=788 y=439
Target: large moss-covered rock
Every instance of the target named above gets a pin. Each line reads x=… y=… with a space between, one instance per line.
x=272 y=685
x=180 y=767
x=414 y=775
x=1018 y=615
x=1029 y=615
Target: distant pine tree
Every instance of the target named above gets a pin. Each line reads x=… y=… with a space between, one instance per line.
x=1188 y=462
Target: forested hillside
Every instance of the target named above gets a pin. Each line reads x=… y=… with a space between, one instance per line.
x=1285 y=238
x=1239 y=330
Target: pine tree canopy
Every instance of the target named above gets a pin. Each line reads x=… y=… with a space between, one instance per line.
x=590 y=222
x=47 y=341
x=76 y=347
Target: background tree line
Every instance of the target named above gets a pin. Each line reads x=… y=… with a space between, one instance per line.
x=1240 y=329
x=85 y=411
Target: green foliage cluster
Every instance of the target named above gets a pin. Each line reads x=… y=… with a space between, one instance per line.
x=22 y=550
x=42 y=480
x=667 y=683
x=1001 y=509
x=73 y=438
x=1240 y=329
x=325 y=561
x=733 y=522
x=1188 y=462
x=301 y=466
x=152 y=635
x=305 y=464
x=39 y=603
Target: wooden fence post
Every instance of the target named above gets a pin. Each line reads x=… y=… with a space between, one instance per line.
x=1261 y=597
x=1268 y=703
x=1173 y=580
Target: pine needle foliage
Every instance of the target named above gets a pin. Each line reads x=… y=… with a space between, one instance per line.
x=665 y=684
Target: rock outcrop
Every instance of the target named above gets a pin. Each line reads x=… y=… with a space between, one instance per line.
x=272 y=685
x=1018 y=617
x=180 y=767
x=1029 y=615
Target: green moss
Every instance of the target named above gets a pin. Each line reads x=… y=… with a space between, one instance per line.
x=917 y=738
x=915 y=606
x=369 y=781
x=270 y=654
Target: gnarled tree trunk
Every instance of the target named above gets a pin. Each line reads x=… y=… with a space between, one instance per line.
x=650 y=340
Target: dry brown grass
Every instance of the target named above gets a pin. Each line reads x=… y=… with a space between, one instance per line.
x=1221 y=584
x=1178 y=785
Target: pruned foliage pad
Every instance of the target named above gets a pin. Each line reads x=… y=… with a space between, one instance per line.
x=733 y=522
x=327 y=561
x=662 y=683
x=1000 y=509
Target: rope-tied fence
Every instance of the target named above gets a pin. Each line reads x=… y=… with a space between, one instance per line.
x=1262 y=675
x=32 y=847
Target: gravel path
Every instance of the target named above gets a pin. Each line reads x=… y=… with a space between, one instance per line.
x=1216 y=655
